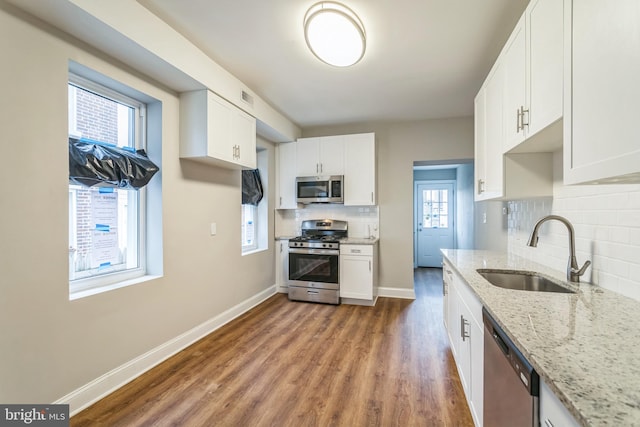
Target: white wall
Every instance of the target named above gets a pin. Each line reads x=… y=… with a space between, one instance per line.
x=465 y=209
x=50 y=345
x=399 y=145
x=490 y=225
x=606 y=219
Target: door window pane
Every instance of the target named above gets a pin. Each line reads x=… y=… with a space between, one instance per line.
x=435 y=208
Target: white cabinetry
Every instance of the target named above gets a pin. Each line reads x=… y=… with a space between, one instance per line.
x=518 y=108
x=286 y=167
x=360 y=169
x=552 y=412
x=533 y=59
x=320 y=156
x=358 y=271
x=489 y=137
x=545 y=33
x=463 y=313
x=282 y=264
x=601 y=143
x=215 y=131
x=513 y=60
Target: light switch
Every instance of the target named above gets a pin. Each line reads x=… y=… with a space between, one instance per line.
x=214 y=228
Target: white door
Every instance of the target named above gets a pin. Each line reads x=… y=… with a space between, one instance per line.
x=434 y=222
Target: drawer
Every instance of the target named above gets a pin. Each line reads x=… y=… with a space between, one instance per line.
x=364 y=250
x=329 y=296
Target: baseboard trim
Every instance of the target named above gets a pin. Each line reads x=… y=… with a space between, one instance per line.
x=396 y=293
x=100 y=387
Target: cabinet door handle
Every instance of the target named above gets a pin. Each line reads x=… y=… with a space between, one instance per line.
x=317 y=168
x=372 y=197
x=355 y=251
x=548 y=423
x=480 y=186
x=369 y=266
x=463 y=328
x=520 y=119
x=321 y=168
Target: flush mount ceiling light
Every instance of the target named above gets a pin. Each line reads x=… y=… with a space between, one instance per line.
x=334 y=34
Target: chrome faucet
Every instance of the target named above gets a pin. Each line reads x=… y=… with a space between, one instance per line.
x=573 y=272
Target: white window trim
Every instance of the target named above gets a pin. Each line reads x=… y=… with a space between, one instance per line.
x=79 y=288
x=261 y=231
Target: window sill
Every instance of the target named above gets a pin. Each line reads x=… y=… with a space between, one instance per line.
x=113 y=286
x=254 y=251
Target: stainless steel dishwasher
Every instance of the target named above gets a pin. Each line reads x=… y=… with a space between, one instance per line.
x=511 y=385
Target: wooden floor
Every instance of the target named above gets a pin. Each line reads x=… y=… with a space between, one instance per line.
x=300 y=364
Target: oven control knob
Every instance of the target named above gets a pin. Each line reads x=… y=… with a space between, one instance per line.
x=324 y=245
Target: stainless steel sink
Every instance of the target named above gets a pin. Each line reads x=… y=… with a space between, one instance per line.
x=522 y=281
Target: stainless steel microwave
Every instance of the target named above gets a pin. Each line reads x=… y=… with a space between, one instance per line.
x=320 y=189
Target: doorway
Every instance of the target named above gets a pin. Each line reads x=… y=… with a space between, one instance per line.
x=434 y=221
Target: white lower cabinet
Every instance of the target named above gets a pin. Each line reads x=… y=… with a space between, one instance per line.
x=282 y=264
x=463 y=313
x=552 y=412
x=358 y=271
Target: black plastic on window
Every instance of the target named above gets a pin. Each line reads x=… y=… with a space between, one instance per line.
x=94 y=163
x=251 y=187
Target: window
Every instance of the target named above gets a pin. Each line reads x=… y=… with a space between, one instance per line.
x=435 y=209
x=106 y=225
x=254 y=232
x=249 y=216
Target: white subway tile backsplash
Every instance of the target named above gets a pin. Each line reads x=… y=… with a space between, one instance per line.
x=606 y=220
x=363 y=221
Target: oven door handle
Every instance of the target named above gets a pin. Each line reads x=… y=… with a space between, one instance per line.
x=314 y=251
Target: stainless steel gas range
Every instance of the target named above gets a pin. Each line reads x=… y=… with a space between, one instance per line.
x=313 y=261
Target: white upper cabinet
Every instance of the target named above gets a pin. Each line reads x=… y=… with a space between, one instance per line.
x=500 y=175
x=352 y=156
x=545 y=32
x=602 y=93
x=533 y=58
x=286 y=184
x=519 y=107
x=488 y=107
x=360 y=169
x=320 y=156
x=215 y=131
x=307 y=163
x=513 y=60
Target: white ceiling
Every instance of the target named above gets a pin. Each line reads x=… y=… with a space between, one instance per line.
x=424 y=59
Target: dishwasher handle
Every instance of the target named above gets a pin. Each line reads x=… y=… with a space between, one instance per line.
x=498 y=339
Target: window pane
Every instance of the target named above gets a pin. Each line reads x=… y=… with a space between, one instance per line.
x=248 y=227
x=103 y=222
x=435 y=208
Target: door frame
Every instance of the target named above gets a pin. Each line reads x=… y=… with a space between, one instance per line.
x=415 y=213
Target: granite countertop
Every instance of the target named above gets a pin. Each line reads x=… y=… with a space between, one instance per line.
x=359 y=241
x=284 y=237
x=585 y=346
